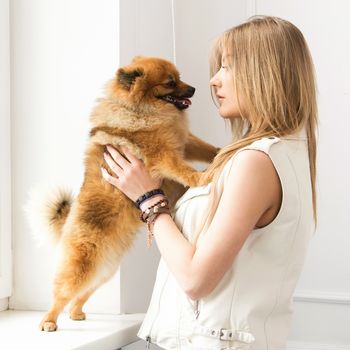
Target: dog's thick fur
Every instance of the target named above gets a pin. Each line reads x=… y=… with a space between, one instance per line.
x=144 y=110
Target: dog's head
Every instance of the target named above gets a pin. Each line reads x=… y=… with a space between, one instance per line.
x=151 y=80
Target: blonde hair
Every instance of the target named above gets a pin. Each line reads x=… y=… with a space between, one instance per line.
x=273 y=75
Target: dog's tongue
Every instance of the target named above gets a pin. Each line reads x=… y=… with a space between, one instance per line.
x=184 y=101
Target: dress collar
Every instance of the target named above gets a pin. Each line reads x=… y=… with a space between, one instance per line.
x=301 y=135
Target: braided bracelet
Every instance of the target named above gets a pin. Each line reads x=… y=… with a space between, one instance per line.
x=148 y=195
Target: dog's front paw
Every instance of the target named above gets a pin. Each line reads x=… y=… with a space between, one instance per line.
x=205 y=179
x=212 y=154
x=194 y=179
x=48 y=326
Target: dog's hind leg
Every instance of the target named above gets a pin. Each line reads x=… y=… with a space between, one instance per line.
x=76 y=310
x=73 y=278
x=49 y=322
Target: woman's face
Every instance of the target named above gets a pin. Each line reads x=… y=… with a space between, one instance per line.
x=225 y=92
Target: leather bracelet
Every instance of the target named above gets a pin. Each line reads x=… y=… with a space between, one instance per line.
x=148 y=195
x=150 y=215
x=163 y=203
x=151 y=220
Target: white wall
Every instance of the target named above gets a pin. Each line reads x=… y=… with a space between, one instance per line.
x=63 y=53
x=5 y=160
x=197 y=25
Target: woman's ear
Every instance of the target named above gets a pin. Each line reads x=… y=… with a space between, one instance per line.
x=127 y=76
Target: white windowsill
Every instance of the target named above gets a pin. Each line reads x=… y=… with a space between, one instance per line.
x=19 y=329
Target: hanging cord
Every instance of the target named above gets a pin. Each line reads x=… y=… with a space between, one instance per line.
x=174 y=34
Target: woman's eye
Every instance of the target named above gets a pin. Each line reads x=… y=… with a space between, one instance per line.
x=223 y=67
x=171 y=84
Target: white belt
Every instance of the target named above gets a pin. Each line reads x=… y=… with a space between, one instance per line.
x=225 y=334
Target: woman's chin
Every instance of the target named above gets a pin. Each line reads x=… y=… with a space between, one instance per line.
x=228 y=115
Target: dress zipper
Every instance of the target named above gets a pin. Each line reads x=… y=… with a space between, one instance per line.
x=148 y=342
x=197 y=310
x=148 y=338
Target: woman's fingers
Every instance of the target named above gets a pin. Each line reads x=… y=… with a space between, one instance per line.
x=130 y=156
x=117 y=157
x=129 y=174
x=112 y=180
x=114 y=166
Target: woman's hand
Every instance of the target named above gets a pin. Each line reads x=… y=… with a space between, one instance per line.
x=131 y=176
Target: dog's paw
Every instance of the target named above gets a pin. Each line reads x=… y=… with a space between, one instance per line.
x=205 y=179
x=78 y=316
x=193 y=179
x=48 y=326
x=214 y=153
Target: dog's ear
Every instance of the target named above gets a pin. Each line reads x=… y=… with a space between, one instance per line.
x=127 y=77
x=137 y=58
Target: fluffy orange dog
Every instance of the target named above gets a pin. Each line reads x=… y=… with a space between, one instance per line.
x=144 y=110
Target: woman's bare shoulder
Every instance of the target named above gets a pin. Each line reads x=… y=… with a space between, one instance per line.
x=254 y=177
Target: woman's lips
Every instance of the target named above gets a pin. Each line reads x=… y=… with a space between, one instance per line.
x=219 y=98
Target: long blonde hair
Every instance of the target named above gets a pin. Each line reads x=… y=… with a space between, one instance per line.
x=273 y=75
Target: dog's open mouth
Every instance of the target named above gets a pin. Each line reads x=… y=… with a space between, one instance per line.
x=178 y=102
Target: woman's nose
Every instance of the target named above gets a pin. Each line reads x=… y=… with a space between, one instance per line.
x=215 y=81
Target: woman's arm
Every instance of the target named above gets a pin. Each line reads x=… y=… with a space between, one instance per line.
x=249 y=192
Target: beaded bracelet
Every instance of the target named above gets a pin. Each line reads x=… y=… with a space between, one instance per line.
x=148 y=195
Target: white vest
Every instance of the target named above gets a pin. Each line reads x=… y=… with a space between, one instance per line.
x=251 y=307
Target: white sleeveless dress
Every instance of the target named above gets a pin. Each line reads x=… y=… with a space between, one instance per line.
x=251 y=307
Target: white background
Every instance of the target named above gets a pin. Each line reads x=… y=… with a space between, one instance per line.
x=5 y=161
x=62 y=54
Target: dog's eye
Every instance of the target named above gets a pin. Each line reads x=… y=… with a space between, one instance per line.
x=171 y=84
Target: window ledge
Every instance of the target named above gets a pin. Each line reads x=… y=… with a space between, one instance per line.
x=108 y=332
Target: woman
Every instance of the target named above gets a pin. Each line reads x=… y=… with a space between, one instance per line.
x=233 y=254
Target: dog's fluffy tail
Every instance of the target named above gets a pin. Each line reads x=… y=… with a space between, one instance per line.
x=47 y=211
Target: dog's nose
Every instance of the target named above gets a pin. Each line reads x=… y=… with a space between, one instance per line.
x=191 y=90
